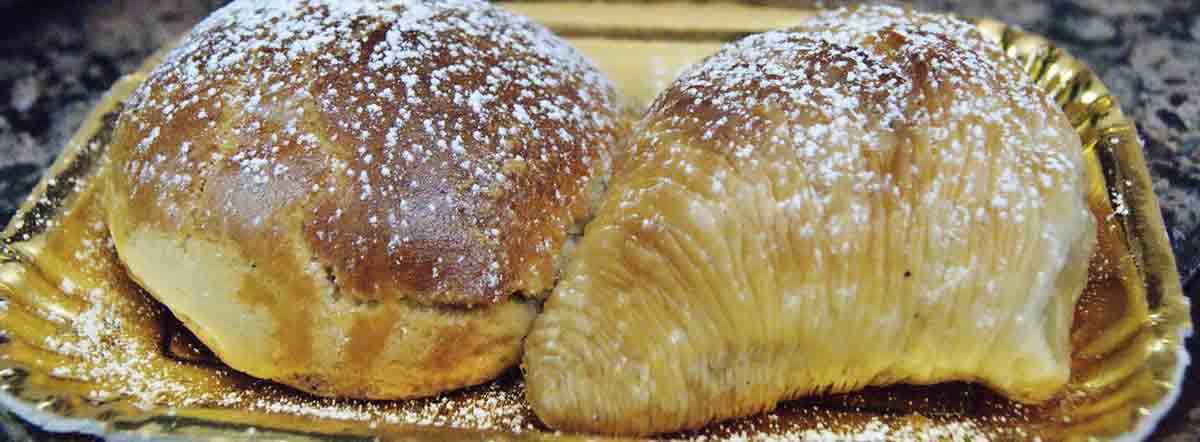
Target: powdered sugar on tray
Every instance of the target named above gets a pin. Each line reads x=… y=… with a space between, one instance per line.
x=873 y=430
x=115 y=341
x=115 y=344
x=105 y=347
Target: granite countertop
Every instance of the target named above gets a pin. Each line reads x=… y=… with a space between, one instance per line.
x=57 y=58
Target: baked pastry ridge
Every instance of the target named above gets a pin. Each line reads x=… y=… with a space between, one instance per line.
x=360 y=198
x=875 y=196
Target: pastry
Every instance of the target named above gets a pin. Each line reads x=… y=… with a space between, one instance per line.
x=360 y=198
x=876 y=196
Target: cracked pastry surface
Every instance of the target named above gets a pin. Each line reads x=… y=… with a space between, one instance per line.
x=876 y=196
x=360 y=198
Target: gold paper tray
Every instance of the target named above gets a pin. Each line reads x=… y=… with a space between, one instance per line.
x=85 y=350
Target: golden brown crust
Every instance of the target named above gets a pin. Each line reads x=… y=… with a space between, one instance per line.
x=309 y=336
x=360 y=173
x=437 y=151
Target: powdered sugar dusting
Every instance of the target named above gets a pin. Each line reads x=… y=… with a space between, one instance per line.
x=406 y=112
x=853 y=427
x=106 y=344
x=852 y=97
x=112 y=351
x=862 y=72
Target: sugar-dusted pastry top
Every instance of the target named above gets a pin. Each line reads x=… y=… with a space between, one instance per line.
x=875 y=196
x=343 y=196
x=433 y=150
x=861 y=82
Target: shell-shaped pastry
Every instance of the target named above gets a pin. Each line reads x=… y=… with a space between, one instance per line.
x=877 y=196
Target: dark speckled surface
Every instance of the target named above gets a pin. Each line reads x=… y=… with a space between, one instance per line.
x=58 y=57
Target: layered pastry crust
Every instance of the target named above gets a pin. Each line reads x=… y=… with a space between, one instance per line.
x=876 y=196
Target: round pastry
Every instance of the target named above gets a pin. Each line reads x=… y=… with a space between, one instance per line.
x=877 y=196
x=360 y=198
